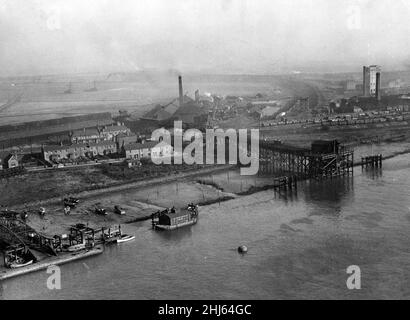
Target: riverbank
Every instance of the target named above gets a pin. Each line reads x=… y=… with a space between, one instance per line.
x=138 y=199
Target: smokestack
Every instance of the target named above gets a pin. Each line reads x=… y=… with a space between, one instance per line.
x=378 y=93
x=181 y=92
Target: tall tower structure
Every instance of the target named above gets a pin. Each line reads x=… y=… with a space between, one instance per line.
x=371 y=86
x=366 y=81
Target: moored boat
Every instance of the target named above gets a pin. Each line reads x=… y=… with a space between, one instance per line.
x=19 y=264
x=171 y=219
x=76 y=247
x=125 y=238
x=17 y=257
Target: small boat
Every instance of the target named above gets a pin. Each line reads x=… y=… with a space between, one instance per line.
x=101 y=211
x=19 y=263
x=174 y=219
x=76 y=247
x=125 y=238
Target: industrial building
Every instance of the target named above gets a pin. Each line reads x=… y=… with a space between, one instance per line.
x=191 y=112
x=371 y=81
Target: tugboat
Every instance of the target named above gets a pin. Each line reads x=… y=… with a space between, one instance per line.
x=171 y=219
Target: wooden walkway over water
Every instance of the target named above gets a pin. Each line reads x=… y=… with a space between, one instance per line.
x=302 y=162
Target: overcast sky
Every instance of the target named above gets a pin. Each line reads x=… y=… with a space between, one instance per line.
x=226 y=36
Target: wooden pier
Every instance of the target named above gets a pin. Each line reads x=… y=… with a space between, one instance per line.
x=322 y=162
x=285 y=183
x=374 y=161
x=18 y=239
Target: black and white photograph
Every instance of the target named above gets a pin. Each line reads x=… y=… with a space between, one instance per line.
x=171 y=151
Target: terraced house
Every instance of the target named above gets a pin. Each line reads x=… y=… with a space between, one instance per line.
x=86 y=135
x=110 y=132
x=55 y=153
x=147 y=150
x=98 y=134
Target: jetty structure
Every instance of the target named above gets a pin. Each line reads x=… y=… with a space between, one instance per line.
x=25 y=250
x=374 y=161
x=325 y=159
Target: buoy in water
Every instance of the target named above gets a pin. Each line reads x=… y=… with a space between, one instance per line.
x=242 y=249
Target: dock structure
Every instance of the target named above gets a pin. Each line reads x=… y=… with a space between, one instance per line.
x=52 y=261
x=285 y=183
x=18 y=240
x=326 y=159
x=374 y=161
x=15 y=232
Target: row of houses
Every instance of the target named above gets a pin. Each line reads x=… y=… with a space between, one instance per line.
x=146 y=150
x=98 y=134
x=93 y=142
x=106 y=148
x=77 y=150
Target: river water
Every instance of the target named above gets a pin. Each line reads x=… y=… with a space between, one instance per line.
x=299 y=247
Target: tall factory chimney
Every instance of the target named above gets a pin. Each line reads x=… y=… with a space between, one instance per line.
x=378 y=93
x=181 y=92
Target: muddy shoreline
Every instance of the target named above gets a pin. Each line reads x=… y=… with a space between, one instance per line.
x=125 y=186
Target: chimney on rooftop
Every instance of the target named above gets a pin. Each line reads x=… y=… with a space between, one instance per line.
x=181 y=92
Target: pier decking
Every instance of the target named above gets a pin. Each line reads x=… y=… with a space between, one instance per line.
x=303 y=162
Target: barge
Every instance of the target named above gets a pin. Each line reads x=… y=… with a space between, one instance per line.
x=171 y=219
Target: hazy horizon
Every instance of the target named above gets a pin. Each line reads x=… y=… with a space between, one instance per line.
x=219 y=37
